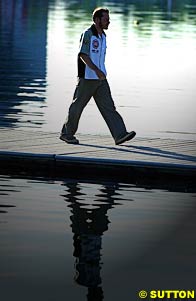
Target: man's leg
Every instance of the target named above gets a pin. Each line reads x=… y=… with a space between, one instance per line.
x=83 y=93
x=107 y=108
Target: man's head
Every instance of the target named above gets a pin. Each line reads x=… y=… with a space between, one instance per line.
x=101 y=17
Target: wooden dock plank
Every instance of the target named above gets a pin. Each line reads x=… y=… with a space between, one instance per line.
x=95 y=149
x=165 y=150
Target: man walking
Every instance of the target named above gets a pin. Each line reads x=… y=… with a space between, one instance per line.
x=92 y=82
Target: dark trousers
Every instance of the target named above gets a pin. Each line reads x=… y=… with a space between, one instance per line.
x=100 y=91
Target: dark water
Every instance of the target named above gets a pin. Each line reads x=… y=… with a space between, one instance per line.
x=74 y=240
x=150 y=61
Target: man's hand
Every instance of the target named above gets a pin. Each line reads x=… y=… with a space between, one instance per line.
x=86 y=59
x=100 y=74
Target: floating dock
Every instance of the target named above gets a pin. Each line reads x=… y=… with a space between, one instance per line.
x=141 y=159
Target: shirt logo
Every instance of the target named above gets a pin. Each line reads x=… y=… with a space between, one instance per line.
x=95 y=44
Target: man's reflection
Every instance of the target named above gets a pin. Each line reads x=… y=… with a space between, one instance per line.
x=88 y=226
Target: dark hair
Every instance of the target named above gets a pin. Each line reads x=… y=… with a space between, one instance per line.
x=98 y=12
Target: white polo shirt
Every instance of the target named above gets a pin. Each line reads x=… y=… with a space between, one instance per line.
x=93 y=45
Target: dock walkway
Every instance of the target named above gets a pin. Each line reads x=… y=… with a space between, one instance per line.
x=36 y=151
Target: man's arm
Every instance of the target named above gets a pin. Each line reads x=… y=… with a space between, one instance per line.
x=87 y=60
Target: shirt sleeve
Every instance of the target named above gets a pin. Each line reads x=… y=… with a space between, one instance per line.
x=85 y=43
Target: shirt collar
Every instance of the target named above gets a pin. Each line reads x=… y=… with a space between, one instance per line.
x=95 y=32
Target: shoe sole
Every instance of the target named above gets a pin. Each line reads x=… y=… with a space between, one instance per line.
x=69 y=141
x=126 y=138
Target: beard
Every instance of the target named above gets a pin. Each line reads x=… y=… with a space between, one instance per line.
x=103 y=26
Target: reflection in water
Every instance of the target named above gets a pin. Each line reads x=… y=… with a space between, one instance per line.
x=88 y=226
x=113 y=253
x=23 y=28
x=5 y=190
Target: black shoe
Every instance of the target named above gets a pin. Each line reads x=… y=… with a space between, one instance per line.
x=69 y=139
x=126 y=137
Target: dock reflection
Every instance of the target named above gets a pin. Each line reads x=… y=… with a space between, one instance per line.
x=88 y=224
